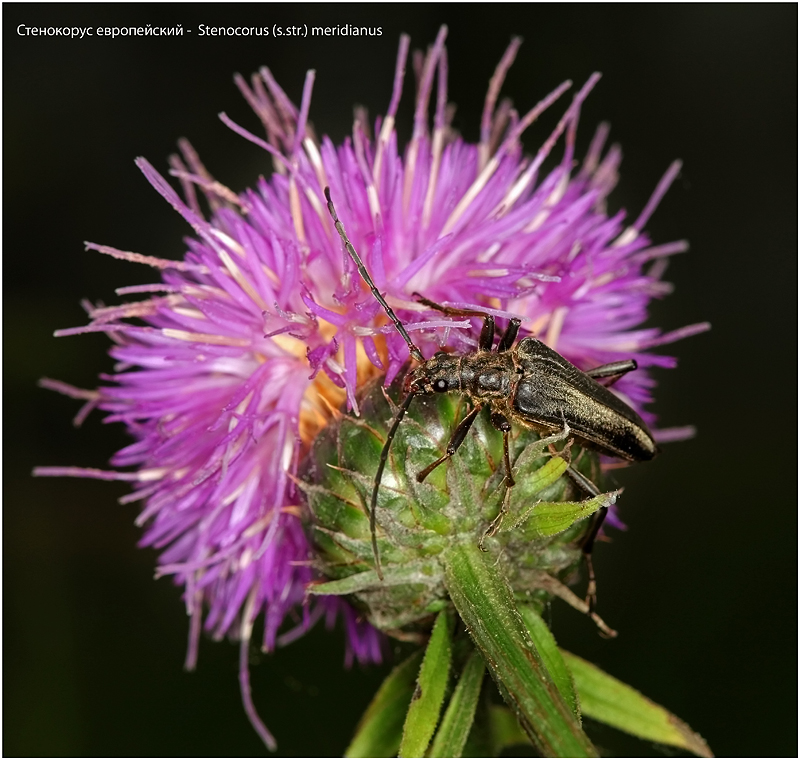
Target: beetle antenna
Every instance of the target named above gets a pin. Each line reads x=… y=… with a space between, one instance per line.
x=362 y=270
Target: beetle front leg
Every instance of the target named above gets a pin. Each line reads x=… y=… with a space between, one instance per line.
x=509 y=336
x=455 y=441
x=487 y=331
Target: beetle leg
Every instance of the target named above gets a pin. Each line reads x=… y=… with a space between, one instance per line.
x=612 y=372
x=487 y=331
x=501 y=423
x=494 y=525
x=451 y=311
x=558 y=589
x=509 y=336
x=455 y=441
x=588 y=543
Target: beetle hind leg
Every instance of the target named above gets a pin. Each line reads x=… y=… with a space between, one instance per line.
x=610 y=373
x=598 y=519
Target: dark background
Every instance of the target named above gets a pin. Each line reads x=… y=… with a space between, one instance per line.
x=703 y=584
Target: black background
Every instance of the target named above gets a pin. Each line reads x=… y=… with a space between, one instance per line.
x=703 y=584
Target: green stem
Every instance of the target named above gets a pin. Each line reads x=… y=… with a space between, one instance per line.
x=486 y=605
x=548 y=649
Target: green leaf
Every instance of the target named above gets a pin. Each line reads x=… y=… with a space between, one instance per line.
x=548 y=649
x=416 y=572
x=486 y=605
x=542 y=477
x=457 y=722
x=550 y=518
x=380 y=729
x=610 y=701
x=426 y=704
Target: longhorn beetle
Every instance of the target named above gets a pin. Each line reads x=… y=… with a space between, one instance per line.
x=529 y=384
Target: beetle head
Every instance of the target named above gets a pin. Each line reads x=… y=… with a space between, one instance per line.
x=438 y=374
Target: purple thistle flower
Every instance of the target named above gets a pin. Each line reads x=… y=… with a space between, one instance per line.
x=241 y=352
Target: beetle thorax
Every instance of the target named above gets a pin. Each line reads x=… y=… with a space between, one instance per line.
x=482 y=375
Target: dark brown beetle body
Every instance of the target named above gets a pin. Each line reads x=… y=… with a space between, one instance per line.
x=538 y=388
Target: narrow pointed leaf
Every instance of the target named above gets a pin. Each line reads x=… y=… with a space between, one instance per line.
x=457 y=722
x=380 y=729
x=548 y=649
x=610 y=701
x=414 y=572
x=426 y=703
x=537 y=478
x=551 y=518
x=486 y=605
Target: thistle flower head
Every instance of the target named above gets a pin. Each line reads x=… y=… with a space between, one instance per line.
x=235 y=360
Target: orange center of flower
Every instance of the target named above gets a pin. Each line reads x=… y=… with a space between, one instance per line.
x=323 y=399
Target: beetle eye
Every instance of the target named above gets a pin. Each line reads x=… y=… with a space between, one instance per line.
x=440 y=386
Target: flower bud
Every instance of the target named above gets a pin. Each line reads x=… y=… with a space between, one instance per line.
x=535 y=539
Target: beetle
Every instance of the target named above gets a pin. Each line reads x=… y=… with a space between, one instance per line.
x=528 y=384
